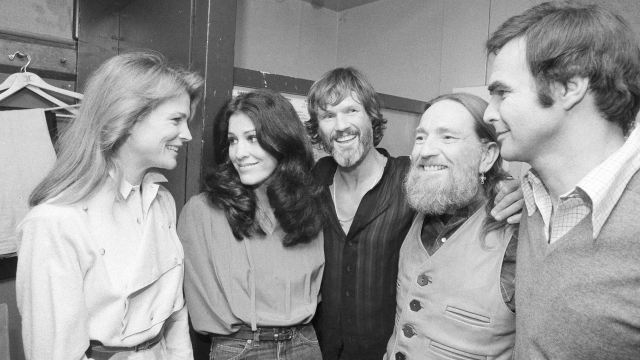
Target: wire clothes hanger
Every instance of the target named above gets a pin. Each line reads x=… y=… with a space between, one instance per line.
x=33 y=82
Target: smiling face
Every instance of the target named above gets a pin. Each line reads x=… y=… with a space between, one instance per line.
x=253 y=164
x=154 y=140
x=524 y=127
x=346 y=131
x=446 y=159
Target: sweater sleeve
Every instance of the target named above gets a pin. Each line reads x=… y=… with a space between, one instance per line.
x=49 y=289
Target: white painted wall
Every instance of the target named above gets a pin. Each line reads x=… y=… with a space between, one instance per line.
x=285 y=37
x=396 y=43
x=416 y=49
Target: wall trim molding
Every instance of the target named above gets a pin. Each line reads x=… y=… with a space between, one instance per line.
x=297 y=86
x=40 y=39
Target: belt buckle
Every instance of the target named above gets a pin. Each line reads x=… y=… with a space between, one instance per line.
x=282 y=336
x=141 y=346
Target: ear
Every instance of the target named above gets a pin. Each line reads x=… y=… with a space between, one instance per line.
x=489 y=156
x=572 y=92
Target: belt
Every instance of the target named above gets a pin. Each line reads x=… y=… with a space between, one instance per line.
x=97 y=347
x=263 y=334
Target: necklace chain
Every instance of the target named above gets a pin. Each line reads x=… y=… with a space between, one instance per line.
x=335 y=190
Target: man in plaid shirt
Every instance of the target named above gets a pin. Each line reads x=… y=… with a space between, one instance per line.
x=565 y=89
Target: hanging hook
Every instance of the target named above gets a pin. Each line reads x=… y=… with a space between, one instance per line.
x=21 y=55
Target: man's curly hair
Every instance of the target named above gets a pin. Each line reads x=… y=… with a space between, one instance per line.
x=333 y=87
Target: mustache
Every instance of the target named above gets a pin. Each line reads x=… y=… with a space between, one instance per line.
x=430 y=161
x=349 y=131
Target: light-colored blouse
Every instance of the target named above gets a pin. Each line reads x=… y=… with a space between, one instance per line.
x=255 y=282
x=106 y=270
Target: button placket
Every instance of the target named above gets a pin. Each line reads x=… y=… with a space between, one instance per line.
x=348 y=290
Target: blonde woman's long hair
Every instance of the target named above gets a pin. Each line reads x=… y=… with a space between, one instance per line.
x=122 y=91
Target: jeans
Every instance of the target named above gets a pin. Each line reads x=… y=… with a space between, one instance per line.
x=303 y=345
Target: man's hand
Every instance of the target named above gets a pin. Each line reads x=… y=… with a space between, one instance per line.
x=509 y=201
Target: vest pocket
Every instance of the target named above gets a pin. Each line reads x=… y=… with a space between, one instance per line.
x=467 y=317
x=447 y=352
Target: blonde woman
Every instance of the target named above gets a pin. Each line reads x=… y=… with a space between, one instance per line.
x=100 y=267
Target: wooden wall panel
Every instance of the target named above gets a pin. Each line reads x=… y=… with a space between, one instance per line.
x=214 y=34
x=98 y=32
x=163 y=26
x=51 y=18
x=46 y=60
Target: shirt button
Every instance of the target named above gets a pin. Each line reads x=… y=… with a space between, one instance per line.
x=444 y=239
x=415 y=305
x=350 y=243
x=169 y=225
x=102 y=251
x=408 y=331
x=138 y=220
x=423 y=280
x=348 y=294
x=348 y=268
x=400 y=356
x=151 y=317
x=85 y=207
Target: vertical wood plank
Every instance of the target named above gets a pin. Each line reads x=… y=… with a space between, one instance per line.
x=98 y=24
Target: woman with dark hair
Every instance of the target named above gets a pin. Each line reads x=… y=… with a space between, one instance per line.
x=100 y=269
x=253 y=241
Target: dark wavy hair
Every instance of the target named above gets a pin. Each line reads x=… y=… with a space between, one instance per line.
x=566 y=39
x=333 y=87
x=291 y=189
x=486 y=133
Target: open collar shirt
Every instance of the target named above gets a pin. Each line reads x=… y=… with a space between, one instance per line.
x=361 y=272
x=596 y=194
x=256 y=281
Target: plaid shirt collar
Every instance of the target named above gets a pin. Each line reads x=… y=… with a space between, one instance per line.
x=602 y=187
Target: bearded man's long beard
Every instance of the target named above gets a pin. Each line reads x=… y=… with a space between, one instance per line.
x=435 y=197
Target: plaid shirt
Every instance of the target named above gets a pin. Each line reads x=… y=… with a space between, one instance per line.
x=597 y=193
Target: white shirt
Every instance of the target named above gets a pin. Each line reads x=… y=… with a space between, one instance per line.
x=95 y=270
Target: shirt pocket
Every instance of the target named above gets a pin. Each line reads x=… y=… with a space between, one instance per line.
x=154 y=303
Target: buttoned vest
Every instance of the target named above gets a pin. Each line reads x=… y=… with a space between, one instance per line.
x=449 y=305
